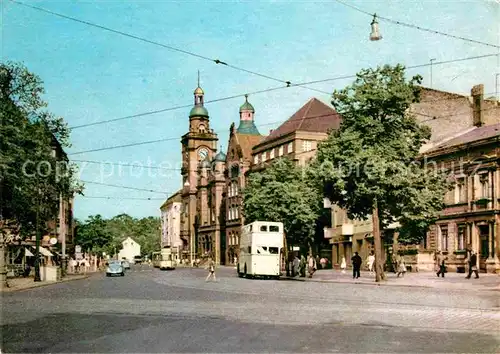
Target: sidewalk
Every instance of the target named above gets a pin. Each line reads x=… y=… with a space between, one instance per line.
x=17 y=284
x=422 y=279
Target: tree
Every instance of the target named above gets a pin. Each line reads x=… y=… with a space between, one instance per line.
x=369 y=166
x=32 y=179
x=282 y=193
x=93 y=234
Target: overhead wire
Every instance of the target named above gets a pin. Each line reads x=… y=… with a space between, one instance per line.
x=269 y=90
x=169 y=47
x=124 y=187
x=120 y=198
x=259 y=125
x=126 y=164
x=401 y=23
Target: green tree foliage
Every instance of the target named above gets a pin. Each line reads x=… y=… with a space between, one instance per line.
x=369 y=166
x=102 y=235
x=282 y=193
x=31 y=177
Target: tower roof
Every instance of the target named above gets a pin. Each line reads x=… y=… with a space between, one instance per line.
x=198 y=111
x=247 y=106
x=199 y=91
x=247 y=127
x=220 y=157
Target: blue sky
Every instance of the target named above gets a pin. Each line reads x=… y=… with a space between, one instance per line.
x=92 y=75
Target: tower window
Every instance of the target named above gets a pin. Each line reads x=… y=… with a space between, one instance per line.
x=280 y=151
x=256 y=159
x=272 y=154
x=201 y=128
x=290 y=148
x=263 y=156
x=306 y=145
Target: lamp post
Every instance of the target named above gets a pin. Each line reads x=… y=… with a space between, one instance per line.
x=37 y=238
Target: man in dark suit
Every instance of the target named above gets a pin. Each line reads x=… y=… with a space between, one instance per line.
x=356 y=265
x=473 y=265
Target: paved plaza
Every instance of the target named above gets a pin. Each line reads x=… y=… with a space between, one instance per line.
x=152 y=311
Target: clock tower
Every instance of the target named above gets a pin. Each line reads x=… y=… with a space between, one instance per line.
x=198 y=144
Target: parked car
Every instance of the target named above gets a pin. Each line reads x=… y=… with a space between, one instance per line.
x=137 y=259
x=125 y=264
x=115 y=268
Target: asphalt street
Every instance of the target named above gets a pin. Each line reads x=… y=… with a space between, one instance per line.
x=153 y=311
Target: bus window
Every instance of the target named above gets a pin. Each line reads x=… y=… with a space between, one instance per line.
x=274 y=228
x=274 y=250
x=263 y=228
x=264 y=248
x=249 y=250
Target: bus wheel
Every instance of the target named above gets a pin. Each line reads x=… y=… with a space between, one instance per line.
x=238 y=270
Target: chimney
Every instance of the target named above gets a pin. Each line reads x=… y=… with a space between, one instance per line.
x=477 y=94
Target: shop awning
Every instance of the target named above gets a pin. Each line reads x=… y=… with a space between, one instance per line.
x=45 y=252
x=28 y=253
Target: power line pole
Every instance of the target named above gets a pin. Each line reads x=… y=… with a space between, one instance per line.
x=431 y=69
x=37 y=244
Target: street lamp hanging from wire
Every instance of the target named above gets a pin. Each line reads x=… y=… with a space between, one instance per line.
x=375 y=34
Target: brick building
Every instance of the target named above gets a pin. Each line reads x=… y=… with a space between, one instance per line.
x=450 y=116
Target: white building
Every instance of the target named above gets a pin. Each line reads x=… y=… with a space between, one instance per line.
x=129 y=250
x=171 y=223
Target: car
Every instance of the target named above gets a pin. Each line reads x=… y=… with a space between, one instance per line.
x=125 y=264
x=115 y=268
x=137 y=260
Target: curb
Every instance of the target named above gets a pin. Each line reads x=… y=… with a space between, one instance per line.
x=386 y=283
x=42 y=284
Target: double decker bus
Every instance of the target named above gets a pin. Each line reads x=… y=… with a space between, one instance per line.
x=261 y=245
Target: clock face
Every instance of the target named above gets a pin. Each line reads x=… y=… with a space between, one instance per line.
x=202 y=153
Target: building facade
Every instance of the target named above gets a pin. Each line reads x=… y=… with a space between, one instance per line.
x=129 y=250
x=449 y=116
x=171 y=225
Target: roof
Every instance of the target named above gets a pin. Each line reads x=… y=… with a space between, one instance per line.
x=469 y=136
x=248 y=127
x=198 y=111
x=220 y=157
x=314 y=116
x=247 y=142
x=174 y=198
x=246 y=106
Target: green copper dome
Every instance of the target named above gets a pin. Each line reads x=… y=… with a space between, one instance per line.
x=247 y=127
x=247 y=106
x=198 y=111
x=220 y=157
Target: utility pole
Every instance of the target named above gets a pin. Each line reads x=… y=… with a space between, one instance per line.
x=37 y=245
x=431 y=69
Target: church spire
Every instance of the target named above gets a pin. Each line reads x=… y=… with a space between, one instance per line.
x=198 y=93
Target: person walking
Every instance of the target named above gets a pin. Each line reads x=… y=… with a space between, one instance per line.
x=211 y=269
x=311 y=266
x=401 y=266
x=440 y=263
x=473 y=265
x=370 y=262
x=356 y=265
x=343 y=265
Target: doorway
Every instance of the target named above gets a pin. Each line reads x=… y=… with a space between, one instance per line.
x=484 y=231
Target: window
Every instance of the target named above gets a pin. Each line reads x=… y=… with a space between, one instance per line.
x=280 y=151
x=306 y=145
x=263 y=228
x=274 y=228
x=236 y=189
x=201 y=128
x=263 y=156
x=256 y=159
x=444 y=237
x=274 y=250
x=484 y=180
x=460 y=237
x=290 y=148
x=237 y=211
x=461 y=190
x=271 y=154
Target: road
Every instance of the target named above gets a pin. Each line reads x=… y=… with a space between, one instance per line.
x=152 y=311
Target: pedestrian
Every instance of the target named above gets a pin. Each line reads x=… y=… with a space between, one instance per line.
x=311 y=266
x=295 y=269
x=370 y=262
x=440 y=264
x=473 y=265
x=343 y=265
x=211 y=269
x=401 y=266
x=356 y=265
x=302 y=266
